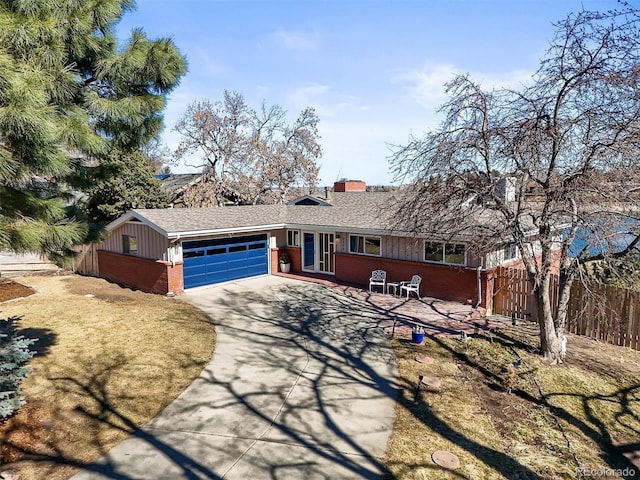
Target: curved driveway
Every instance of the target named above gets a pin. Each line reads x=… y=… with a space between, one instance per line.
x=301 y=386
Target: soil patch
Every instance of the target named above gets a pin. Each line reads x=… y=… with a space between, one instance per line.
x=10 y=290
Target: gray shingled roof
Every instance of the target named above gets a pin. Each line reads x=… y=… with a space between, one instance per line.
x=174 y=183
x=179 y=220
x=350 y=210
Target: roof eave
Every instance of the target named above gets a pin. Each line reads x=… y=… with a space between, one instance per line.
x=127 y=217
x=222 y=231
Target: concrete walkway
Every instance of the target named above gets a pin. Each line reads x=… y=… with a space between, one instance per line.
x=301 y=386
x=15 y=265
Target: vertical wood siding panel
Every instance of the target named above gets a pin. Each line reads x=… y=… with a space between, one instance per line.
x=151 y=244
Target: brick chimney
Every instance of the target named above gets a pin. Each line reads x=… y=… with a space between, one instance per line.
x=350 y=186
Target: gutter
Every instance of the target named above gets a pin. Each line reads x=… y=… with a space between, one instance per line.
x=226 y=231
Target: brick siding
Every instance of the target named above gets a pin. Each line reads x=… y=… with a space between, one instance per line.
x=440 y=281
x=152 y=276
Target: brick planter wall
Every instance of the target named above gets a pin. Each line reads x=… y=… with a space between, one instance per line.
x=294 y=254
x=152 y=276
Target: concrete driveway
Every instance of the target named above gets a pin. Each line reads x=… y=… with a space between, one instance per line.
x=301 y=386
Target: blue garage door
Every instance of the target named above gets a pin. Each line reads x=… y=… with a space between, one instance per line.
x=221 y=260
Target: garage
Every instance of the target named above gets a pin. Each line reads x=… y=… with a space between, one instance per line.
x=224 y=259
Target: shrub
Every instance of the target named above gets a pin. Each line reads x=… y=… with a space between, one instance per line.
x=14 y=354
x=284 y=258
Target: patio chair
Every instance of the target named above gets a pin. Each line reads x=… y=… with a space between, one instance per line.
x=412 y=286
x=378 y=277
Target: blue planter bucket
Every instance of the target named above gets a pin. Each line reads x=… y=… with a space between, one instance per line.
x=417 y=337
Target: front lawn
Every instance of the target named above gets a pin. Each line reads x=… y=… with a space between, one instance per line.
x=109 y=359
x=584 y=414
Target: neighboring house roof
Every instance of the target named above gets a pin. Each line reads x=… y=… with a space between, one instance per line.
x=175 y=183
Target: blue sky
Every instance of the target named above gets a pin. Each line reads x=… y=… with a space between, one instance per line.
x=374 y=70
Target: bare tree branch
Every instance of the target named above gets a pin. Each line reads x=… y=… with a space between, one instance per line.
x=251 y=156
x=551 y=166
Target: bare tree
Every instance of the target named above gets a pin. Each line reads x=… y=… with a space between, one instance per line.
x=158 y=155
x=564 y=149
x=247 y=155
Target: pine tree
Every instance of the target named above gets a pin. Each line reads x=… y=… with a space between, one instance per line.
x=127 y=182
x=69 y=93
x=14 y=354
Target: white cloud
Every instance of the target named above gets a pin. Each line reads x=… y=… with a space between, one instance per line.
x=312 y=95
x=325 y=102
x=426 y=84
x=200 y=60
x=296 y=40
x=308 y=93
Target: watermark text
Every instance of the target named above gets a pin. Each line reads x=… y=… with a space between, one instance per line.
x=605 y=472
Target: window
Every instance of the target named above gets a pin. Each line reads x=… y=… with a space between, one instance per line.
x=129 y=245
x=510 y=251
x=364 y=245
x=454 y=253
x=293 y=238
x=433 y=252
x=450 y=253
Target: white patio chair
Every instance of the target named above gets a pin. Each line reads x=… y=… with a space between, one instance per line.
x=412 y=286
x=378 y=277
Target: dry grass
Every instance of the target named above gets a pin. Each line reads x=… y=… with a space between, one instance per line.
x=109 y=360
x=556 y=419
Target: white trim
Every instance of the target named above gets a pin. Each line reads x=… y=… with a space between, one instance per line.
x=131 y=215
x=346 y=229
x=321 y=201
x=316 y=252
x=299 y=239
x=223 y=231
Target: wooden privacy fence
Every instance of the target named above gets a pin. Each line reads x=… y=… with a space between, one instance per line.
x=86 y=260
x=609 y=314
x=513 y=294
x=606 y=313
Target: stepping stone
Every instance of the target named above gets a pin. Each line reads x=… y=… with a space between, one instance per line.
x=432 y=382
x=424 y=359
x=445 y=459
x=9 y=475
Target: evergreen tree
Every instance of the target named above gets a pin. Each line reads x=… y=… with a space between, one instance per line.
x=128 y=182
x=69 y=93
x=14 y=354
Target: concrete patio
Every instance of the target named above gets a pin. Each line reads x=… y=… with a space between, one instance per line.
x=399 y=314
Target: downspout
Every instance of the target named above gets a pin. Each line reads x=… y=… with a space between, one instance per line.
x=173 y=242
x=479 y=280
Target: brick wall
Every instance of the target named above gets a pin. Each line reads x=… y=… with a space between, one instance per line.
x=294 y=254
x=350 y=186
x=152 y=276
x=440 y=281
